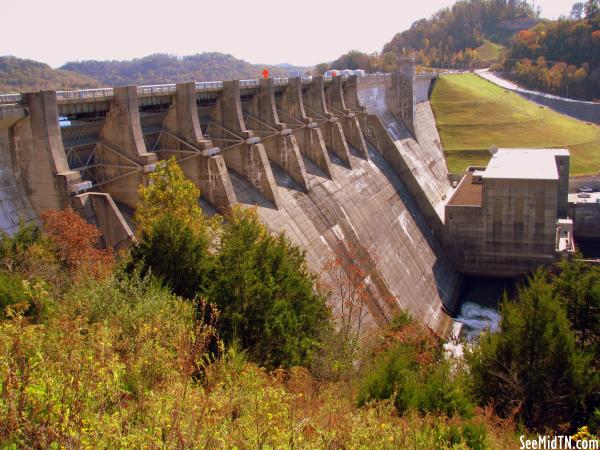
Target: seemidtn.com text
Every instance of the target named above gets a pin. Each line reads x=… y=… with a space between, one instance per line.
x=557 y=442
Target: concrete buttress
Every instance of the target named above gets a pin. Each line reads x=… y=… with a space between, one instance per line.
x=330 y=126
x=280 y=144
x=334 y=95
x=125 y=162
x=246 y=155
x=40 y=154
x=308 y=135
x=196 y=155
x=400 y=96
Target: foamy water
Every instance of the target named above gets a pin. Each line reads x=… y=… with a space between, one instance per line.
x=476 y=318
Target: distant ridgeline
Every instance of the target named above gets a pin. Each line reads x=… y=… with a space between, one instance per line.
x=20 y=75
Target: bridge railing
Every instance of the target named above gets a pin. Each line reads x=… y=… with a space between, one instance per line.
x=201 y=86
x=209 y=85
x=84 y=94
x=157 y=89
x=248 y=84
x=10 y=98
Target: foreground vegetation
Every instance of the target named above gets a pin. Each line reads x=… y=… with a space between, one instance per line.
x=226 y=342
x=473 y=114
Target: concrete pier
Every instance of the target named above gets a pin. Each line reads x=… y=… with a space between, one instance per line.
x=280 y=143
x=122 y=155
x=198 y=158
x=243 y=151
x=99 y=209
x=310 y=140
x=334 y=95
x=400 y=98
x=333 y=133
x=40 y=154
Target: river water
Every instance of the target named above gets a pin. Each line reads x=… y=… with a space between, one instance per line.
x=479 y=303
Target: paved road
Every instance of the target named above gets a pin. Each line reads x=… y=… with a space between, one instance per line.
x=485 y=73
x=579 y=109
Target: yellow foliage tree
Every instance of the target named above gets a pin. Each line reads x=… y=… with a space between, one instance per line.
x=170 y=192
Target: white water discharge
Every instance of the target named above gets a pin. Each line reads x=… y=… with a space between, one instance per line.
x=477 y=318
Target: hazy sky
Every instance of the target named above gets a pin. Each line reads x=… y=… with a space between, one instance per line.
x=302 y=32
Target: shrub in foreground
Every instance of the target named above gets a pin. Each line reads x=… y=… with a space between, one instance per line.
x=412 y=372
x=266 y=294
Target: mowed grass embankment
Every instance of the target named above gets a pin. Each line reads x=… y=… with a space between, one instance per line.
x=473 y=114
x=490 y=51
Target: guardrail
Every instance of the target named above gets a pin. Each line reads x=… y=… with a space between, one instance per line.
x=248 y=84
x=157 y=89
x=201 y=86
x=209 y=85
x=84 y=93
x=10 y=98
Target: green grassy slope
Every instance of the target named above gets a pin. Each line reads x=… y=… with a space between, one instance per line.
x=473 y=114
x=490 y=51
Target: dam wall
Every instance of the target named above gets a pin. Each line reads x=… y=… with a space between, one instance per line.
x=15 y=207
x=326 y=161
x=420 y=150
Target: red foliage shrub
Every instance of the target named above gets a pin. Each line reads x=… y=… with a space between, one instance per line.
x=77 y=243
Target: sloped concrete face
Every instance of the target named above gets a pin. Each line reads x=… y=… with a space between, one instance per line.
x=14 y=203
x=423 y=155
x=369 y=209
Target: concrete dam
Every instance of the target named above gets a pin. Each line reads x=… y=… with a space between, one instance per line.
x=351 y=166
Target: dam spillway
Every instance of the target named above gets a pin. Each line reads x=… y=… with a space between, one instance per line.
x=340 y=165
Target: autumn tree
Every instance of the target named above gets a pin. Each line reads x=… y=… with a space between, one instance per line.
x=174 y=235
x=169 y=192
x=77 y=243
x=344 y=280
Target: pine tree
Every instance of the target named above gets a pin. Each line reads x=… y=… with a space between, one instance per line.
x=266 y=294
x=174 y=235
x=532 y=368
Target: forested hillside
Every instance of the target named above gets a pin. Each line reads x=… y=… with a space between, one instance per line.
x=561 y=57
x=162 y=68
x=471 y=32
x=452 y=35
x=18 y=75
